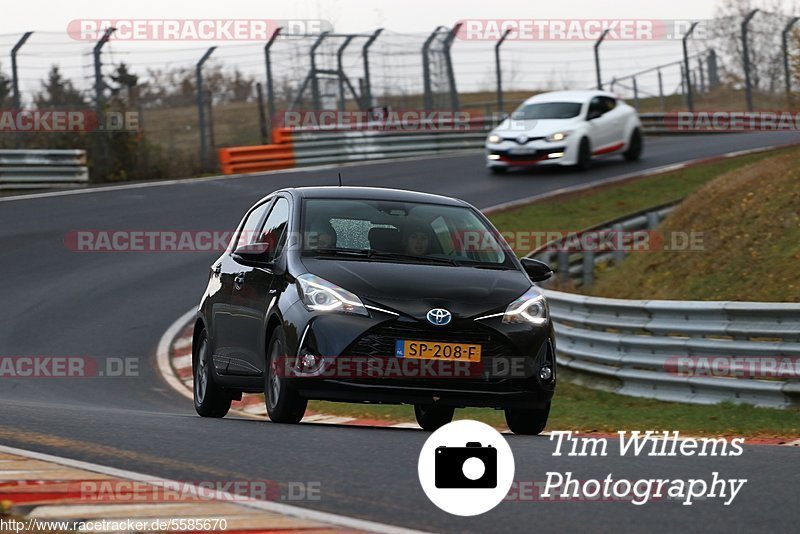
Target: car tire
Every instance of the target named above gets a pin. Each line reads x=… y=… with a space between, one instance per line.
x=284 y=404
x=584 y=155
x=498 y=170
x=209 y=400
x=635 y=145
x=527 y=422
x=431 y=417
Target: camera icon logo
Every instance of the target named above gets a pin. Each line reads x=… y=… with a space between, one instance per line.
x=466 y=468
x=472 y=466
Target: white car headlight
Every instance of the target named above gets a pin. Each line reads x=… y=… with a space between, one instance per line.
x=558 y=136
x=320 y=295
x=494 y=138
x=529 y=308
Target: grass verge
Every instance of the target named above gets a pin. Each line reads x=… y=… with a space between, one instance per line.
x=587 y=410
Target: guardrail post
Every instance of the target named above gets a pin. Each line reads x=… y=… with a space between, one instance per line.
x=340 y=70
x=587 y=270
x=652 y=220
x=597 y=59
x=451 y=77
x=201 y=116
x=562 y=259
x=619 y=244
x=270 y=85
x=426 y=69
x=17 y=101
x=787 y=75
x=689 y=98
x=315 y=97
x=748 y=88
x=499 y=72
x=367 y=96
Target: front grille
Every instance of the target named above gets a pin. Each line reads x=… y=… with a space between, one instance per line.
x=380 y=341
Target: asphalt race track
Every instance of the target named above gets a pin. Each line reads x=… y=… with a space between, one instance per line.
x=59 y=302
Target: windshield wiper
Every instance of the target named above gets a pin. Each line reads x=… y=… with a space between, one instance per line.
x=372 y=253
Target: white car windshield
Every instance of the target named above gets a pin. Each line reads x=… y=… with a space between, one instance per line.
x=547 y=110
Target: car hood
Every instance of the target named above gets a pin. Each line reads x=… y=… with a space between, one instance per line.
x=534 y=128
x=413 y=289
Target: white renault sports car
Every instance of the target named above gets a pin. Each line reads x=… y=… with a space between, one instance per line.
x=565 y=128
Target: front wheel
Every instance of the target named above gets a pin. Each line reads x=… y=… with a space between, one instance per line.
x=584 y=155
x=431 y=417
x=284 y=404
x=527 y=422
x=209 y=400
x=635 y=144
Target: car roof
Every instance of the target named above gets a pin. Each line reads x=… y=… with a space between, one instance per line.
x=371 y=193
x=568 y=96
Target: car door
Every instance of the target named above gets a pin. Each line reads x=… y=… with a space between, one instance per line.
x=225 y=317
x=253 y=289
x=601 y=127
x=618 y=115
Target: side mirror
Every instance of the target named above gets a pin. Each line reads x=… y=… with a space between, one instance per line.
x=538 y=271
x=254 y=255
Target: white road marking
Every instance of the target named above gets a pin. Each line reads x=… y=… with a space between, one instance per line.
x=266 y=506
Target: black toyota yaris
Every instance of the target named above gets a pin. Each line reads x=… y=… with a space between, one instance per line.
x=361 y=294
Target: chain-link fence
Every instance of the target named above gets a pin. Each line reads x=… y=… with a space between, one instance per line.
x=184 y=102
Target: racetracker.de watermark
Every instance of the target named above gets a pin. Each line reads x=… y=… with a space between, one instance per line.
x=733 y=121
x=381 y=119
x=194 y=29
x=47 y=366
x=765 y=367
x=580 y=29
x=67 y=120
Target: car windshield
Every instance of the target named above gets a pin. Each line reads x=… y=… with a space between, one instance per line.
x=402 y=232
x=547 y=110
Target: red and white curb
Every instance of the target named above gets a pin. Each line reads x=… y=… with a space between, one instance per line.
x=41 y=488
x=174 y=359
x=175 y=364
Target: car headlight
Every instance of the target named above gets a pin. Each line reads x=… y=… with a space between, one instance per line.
x=530 y=308
x=320 y=295
x=558 y=136
x=494 y=138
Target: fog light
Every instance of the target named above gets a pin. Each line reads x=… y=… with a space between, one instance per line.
x=546 y=373
x=555 y=155
x=309 y=361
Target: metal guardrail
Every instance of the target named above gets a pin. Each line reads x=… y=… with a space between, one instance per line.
x=664 y=349
x=652 y=348
x=37 y=169
x=301 y=147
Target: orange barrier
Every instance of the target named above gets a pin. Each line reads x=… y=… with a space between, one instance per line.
x=241 y=159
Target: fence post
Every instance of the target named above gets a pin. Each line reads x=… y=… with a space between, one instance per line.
x=270 y=86
x=597 y=59
x=713 y=75
x=689 y=98
x=451 y=77
x=499 y=72
x=99 y=86
x=683 y=83
x=367 y=92
x=201 y=112
x=786 y=72
x=661 y=91
x=340 y=70
x=262 y=117
x=315 y=97
x=426 y=69
x=635 y=94
x=15 y=78
x=746 y=60
x=702 y=75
